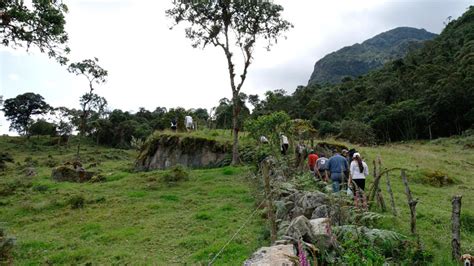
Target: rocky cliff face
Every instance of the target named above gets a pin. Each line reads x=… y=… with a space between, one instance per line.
x=164 y=151
x=359 y=59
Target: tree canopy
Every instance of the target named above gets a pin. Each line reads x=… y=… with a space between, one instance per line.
x=19 y=111
x=42 y=25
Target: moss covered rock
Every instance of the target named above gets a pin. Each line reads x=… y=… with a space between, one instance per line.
x=162 y=151
x=68 y=174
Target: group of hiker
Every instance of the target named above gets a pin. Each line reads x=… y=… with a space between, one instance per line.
x=345 y=167
x=188 y=122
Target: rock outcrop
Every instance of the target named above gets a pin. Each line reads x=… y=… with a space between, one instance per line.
x=162 y=151
x=272 y=256
x=66 y=173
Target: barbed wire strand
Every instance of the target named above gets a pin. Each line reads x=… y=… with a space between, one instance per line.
x=236 y=233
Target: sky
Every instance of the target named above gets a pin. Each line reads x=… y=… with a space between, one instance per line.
x=152 y=66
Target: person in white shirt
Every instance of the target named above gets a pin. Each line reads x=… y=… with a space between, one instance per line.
x=358 y=171
x=263 y=140
x=188 y=121
x=284 y=143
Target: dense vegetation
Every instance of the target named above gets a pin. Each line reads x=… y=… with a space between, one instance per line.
x=358 y=59
x=427 y=94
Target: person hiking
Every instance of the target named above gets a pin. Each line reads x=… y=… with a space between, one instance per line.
x=174 y=124
x=322 y=167
x=337 y=164
x=312 y=159
x=284 y=143
x=188 y=121
x=358 y=171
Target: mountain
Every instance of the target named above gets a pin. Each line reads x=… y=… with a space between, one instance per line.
x=427 y=94
x=359 y=59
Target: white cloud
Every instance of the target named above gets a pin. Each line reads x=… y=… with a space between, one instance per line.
x=13 y=77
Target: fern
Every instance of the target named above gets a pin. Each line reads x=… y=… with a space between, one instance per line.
x=370 y=217
x=374 y=236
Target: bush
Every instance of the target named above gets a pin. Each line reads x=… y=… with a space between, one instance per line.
x=77 y=202
x=434 y=178
x=357 y=132
x=176 y=173
x=4 y=158
x=6 y=246
x=326 y=128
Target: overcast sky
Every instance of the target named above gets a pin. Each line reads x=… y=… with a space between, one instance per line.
x=150 y=65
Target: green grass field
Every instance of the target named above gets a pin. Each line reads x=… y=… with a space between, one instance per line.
x=137 y=218
x=454 y=157
x=132 y=218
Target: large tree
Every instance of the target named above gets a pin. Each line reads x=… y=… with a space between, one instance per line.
x=19 y=111
x=233 y=26
x=41 y=24
x=94 y=74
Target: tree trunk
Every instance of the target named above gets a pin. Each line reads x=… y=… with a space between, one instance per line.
x=456 y=226
x=235 y=121
x=79 y=145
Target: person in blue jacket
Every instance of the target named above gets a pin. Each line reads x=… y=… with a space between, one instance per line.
x=337 y=165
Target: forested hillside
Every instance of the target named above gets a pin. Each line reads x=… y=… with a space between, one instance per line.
x=359 y=59
x=428 y=93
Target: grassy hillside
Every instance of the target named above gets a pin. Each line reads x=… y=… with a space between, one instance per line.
x=130 y=218
x=453 y=157
x=138 y=218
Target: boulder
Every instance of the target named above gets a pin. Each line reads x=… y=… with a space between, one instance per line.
x=30 y=172
x=162 y=151
x=283 y=209
x=68 y=174
x=311 y=200
x=320 y=226
x=296 y=211
x=299 y=228
x=322 y=211
x=272 y=256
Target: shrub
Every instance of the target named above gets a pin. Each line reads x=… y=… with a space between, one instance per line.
x=326 y=128
x=50 y=161
x=4 y=158
x=6 y=246
x=176 y=173
x=434 y=178
x=77 y=202
x=41 y=188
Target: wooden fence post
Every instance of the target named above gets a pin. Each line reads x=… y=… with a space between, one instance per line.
x=456 y=226
x=268 y=196
x=390 y=192
x=411 y=203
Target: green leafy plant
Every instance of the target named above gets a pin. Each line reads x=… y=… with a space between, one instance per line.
x=6 y=247
x=177 y=173
x=77 y=202
x=4 y=158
